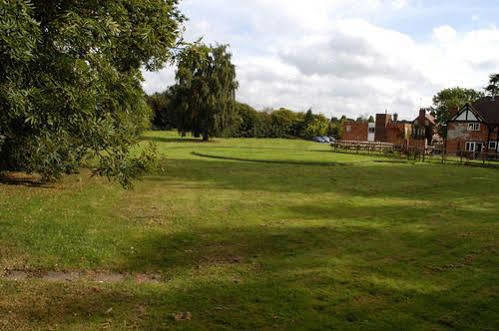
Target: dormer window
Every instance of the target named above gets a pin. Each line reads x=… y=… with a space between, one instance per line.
x=473 y=126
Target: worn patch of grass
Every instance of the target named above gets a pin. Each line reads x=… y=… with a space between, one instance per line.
x=258 y=234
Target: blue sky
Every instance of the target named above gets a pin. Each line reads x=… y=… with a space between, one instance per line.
x=419 y=19
x=353 y=57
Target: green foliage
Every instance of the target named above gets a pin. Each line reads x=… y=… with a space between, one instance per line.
x=317 y=127
x=251 y=123
x=493 y=88
x=163 y=117
x=304 y=125
x=336 y=127
x=205 y=90
x=70 y=81
x=285 y=123
x=126 y=168
x=172 y=108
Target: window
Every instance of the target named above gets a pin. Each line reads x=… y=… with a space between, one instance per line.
x=473 y=126
x=371 y=130
x=349 y=128
x=474 y=146
x=493 y=145
x=470 y=147
x=420 y=132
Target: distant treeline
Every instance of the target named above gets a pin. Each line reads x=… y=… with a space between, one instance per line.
x=246 y=122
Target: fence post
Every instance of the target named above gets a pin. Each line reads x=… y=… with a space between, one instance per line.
x=460 y=152
x=444 y=150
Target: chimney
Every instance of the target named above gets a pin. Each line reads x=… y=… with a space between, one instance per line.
x=422 y=112
x=395 y=117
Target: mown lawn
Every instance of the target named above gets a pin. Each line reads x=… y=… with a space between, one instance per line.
x=257 y=234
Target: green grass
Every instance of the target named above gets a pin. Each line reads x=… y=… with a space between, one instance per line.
x=259 y=234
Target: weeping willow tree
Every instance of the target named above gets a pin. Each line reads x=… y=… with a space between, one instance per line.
x=204 y=93
x=70 y=81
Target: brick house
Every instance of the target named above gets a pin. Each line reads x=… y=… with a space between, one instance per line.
x=386 y=128
x=390 y=130
x=424 y=130
x=358 y=131
x=474 y=129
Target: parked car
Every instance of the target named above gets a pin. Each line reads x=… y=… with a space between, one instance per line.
x=318 y=140
x=326 y=139
x=332 y=139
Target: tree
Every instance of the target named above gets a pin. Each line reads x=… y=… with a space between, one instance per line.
x=371 y=119
x=302 y=126
x=317 y=127
x=205 y=89
x=163 y=115
x=493 y=88
x=251 y=123
x=452 y=99
x=285 y=123
x=336 y=127
x=70 y=81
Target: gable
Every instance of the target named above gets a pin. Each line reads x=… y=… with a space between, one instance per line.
x=466 y=114
x=463 y=116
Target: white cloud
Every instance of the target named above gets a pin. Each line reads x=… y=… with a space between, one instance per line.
x=399 y=4
x=332 y=56
x=444 y=34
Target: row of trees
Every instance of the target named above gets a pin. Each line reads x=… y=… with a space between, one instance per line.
x=281 y=123
x=202 y=102
x=243 y=122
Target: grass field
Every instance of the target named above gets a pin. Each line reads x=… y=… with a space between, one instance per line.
x=255 y=234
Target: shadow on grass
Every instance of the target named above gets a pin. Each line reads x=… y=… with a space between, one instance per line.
x=336 y=302
x=390 y=180
x=392 y=161
x=280 y=266
x=286 y=162
x=176 y=140
x=276 y=276
x=335 y=231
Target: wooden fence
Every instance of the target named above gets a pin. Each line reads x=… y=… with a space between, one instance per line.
x=435 y=153
x=364 y=146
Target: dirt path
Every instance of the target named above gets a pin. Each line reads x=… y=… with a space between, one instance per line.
x=77 y=276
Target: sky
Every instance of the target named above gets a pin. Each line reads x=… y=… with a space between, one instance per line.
x=347 y=57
